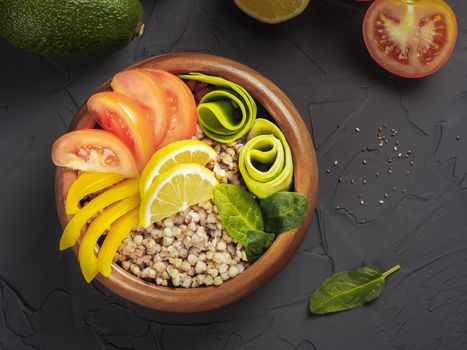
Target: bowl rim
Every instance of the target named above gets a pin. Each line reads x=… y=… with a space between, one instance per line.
x=289 y=120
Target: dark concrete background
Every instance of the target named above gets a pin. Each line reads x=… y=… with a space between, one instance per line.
x=320 y=61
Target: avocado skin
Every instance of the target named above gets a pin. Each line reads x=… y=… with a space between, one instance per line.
x=69 y=28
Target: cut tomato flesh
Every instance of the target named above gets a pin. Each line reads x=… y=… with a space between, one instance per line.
x=94 y=151
x=180 y=105
x=125 y=119
x=148 y=94
x=411 y=39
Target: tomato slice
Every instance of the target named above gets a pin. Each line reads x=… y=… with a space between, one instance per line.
x=410 y=38
x=94 y=151
x=148 y=94
x=180 y=104
x=125 y=119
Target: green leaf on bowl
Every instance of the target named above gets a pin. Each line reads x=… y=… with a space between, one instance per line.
x=238 y=211
x=257 y=243
x=283 y=211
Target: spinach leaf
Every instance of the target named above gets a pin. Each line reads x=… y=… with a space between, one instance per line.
x=349 y=289
x=238 y=210
x=283 y=211
x=258 y=242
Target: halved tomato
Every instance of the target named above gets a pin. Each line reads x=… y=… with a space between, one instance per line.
x=148 y=94
x=180 y=104
x=94 y=151
x=124 y=118
x=410 y=38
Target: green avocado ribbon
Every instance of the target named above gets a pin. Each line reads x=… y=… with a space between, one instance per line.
x=265 y=161
x=225 y=114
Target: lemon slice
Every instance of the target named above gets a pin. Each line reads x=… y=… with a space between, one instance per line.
x=186 y=151
x=272 y=11
x=175 y=190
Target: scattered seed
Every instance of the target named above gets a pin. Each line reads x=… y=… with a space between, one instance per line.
x=364 y=182
x=381 y=202
x=386 y=141
x=364 y=162
x=337 y=208
x=352 y=181
x=335 y=163
x=407 y=172
x=389 y=160
x=340 y=179
x=386 y=195
x=411 y=162
x=328 y=171
x=389 y=171
x=357 y=129
x=400 y=155
x=409 y=152
x=379 y=129
x=385 y=126
x=458 y=137
x=362 y=202
x=404 y=190
x=394 y=189
x=377 y=174
x=397 y=142
x=395 y=148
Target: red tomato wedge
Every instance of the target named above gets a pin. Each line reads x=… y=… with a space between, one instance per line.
x=410 y=38
x=94 y=150
x=125 y=119
x=141 y=88
x=180 y=104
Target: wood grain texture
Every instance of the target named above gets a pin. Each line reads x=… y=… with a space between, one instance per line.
x=283 y=249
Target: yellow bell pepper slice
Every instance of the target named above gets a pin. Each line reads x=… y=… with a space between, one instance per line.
x=86 y=257
x=76 y=224
x=85 y=184
x=118 y=232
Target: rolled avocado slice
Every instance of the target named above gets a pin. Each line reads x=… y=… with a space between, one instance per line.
x=226 y=114
x=265 y=161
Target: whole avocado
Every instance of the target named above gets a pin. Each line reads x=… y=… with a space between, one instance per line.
x=70 y=28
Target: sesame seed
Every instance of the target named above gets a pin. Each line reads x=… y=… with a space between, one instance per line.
x=395 y=148
x=364 y=162
x=362 y=202
x=335 y=163
x=381 y=202
x=357 y=129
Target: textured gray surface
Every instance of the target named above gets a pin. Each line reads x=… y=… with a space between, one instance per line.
x=319 y=60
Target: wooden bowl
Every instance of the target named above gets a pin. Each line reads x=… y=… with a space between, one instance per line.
x=284 y=247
